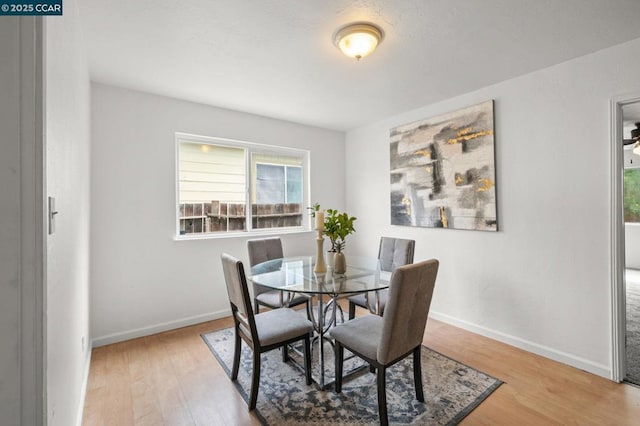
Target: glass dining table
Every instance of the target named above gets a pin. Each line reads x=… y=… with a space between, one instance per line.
x=296 y=275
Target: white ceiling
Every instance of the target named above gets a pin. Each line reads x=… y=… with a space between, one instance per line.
x=276 y=57
x=631 y=114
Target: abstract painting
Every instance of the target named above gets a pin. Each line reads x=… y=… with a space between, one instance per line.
x=443 y=171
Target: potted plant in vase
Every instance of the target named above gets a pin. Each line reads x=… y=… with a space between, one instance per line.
x=330 y=230
x=337 y=226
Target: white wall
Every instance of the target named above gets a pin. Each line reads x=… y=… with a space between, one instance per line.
x=67 y=126
x=543 y=281
x=630 y=160
x=632 y=245
x=142 y=280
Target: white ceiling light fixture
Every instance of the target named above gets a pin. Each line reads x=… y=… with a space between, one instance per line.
x=359 y=39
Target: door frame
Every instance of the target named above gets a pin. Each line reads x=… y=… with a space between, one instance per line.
x=33 y=228
x=618 y=287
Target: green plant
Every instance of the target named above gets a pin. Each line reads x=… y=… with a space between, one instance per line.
x=337 y=226
x=313 y=209
x=632 y=195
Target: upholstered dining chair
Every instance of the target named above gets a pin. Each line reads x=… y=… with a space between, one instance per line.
x=261 y=332
x=262 y=250
x=384 y=341
x=393 y=252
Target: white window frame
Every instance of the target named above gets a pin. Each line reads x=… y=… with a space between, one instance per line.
x=249 y=147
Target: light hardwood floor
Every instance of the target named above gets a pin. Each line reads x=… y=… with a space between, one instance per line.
x=173 y=379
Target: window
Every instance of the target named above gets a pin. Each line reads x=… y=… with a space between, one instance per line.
x=276 y=183
x=219 y=178
x=632 y=195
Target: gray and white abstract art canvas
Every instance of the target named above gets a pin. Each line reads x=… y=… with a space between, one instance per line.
x=443 y=171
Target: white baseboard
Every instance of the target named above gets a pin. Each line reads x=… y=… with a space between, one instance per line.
x=158 y=328
x=85 y=383
x=547 y=352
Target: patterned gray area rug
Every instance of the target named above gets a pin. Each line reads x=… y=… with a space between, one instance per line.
x=452 y=390
x=633 y=331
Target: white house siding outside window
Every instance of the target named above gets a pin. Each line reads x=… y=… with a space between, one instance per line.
x=227 y=187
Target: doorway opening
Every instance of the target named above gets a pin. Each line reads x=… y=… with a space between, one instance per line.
x=626 y=239
x=631 y=209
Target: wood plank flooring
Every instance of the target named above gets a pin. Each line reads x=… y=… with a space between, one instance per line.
x=173 y=379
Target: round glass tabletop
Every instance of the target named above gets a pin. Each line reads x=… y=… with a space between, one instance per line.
x=295 y=274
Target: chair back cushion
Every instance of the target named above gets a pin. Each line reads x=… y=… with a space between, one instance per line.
x=264 y=249
x=238 y=292
x=405 y=316
x=395 y=252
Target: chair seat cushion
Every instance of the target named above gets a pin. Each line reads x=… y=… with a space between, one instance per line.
x=361 y=334
x=272 y=299
x=359 y=299
x=279 y=325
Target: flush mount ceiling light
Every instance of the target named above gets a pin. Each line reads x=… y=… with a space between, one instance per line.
x=358 y=40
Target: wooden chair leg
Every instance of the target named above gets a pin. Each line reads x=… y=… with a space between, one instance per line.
x=417 y=373
x=339 y=359
x=382 y=396
x=255 y=379
x=285 y=353
x=352 y=310
x=236 y=355
x=307 y=358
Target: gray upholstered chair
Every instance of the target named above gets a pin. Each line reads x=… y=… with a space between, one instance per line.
x=261 y=332
x=393 y=252
x=260 y=251
x=384 y=341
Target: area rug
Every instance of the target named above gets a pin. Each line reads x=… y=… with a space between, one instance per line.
x=451 y=389
x=633 y=328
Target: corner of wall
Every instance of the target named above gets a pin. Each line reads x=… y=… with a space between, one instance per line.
x=85 y=384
